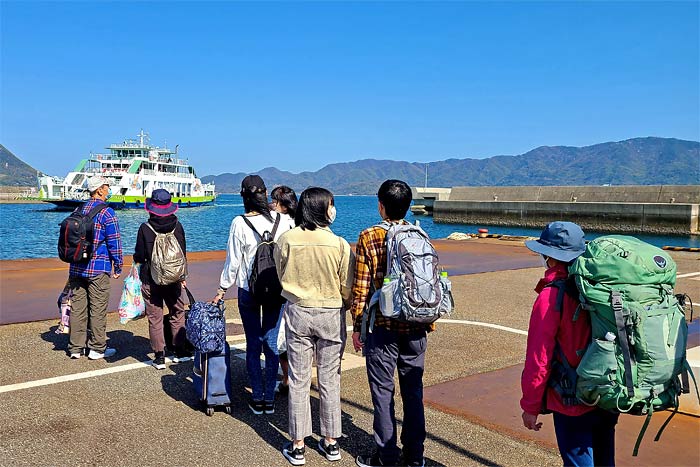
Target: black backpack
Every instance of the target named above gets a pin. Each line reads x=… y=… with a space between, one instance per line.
x=263 y=282
x=76 y=235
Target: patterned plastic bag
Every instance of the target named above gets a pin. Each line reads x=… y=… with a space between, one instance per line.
x=205 y=325
x=131 y=305
x=65 y=305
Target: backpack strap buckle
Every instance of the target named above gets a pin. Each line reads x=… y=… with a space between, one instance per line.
x=616 y=301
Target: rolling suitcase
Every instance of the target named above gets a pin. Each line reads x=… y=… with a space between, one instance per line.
x=212 y=379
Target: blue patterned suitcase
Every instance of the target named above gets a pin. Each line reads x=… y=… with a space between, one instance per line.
x=212 y=379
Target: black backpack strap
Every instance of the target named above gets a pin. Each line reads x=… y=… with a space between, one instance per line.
x=563 y=376
x=92 y=213
x=250 y=224
x=627 y=356
x=274 y=227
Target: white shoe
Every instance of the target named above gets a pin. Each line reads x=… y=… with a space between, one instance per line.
x=93 y=355
x=76 y=356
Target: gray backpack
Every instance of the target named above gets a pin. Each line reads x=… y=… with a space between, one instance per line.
x=168 y=264
x=415 y=288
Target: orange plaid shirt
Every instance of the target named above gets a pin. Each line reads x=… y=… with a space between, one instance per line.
x=370 y=265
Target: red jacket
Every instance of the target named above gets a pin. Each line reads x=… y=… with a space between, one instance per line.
x=548 y=326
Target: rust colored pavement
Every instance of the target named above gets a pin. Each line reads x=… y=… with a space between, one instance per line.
x=474 y=398
x=29 y=288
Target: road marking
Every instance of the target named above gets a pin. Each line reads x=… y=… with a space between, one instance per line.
x=74 y=377
x=239 y=352
x=690 y=274
x=479 y=323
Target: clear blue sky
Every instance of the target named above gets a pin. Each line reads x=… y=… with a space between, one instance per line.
x=242 y=86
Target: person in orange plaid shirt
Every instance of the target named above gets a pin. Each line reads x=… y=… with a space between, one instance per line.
x=390 y=344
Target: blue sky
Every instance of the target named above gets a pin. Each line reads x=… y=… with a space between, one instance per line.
x=242 y=86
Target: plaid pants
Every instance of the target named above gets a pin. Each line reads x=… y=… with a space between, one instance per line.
x=318 y=332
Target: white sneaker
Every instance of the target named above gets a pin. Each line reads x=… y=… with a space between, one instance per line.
x=76 y=356
x=93 y=355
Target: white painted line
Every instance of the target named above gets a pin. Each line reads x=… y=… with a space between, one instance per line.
x=74 y=377
x=478 y=323
x=690 y=274
x=239 y=347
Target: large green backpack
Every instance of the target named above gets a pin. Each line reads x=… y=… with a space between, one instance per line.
x=639 y=331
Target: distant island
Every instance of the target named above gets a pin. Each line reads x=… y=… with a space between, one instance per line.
x=637 y=161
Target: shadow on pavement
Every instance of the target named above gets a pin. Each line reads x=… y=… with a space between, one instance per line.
x=126 y=343
x=179 y=387
x=437 y=439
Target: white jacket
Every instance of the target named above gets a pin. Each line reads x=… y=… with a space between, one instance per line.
x=243 y=244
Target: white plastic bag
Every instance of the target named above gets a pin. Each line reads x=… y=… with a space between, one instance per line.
x=275 y=337
x=131 y=305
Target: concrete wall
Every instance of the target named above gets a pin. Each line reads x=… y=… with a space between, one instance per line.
x=427 y=196
x=685 y=194
x=654 y=218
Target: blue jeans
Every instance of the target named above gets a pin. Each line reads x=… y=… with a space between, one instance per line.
x=386 y=351
x=258 y=321
x=587 y=440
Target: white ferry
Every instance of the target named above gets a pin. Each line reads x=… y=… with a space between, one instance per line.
x=135 y=169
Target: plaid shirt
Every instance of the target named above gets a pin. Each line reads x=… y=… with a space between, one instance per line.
x=370 y=265
x=106 y=235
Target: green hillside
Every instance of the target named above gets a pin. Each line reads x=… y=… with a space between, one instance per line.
x=14 y=172
x=638 y=161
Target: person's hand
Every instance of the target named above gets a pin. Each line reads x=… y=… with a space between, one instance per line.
x=217 y=297
x=530 y=422
x=116 y=276
x=356 y=341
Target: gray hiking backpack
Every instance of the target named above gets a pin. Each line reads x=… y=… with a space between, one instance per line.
x=168 y=264
x=415 y=288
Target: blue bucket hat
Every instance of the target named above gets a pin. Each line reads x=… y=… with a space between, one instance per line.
x=563 y=241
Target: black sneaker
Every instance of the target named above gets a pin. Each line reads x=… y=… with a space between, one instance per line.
x=257 y=407
x=159 y=362
x=181 y=356
x=269 y=407
x=295 y=456
x=369 y=461
x=418 y=463
x=331 y=451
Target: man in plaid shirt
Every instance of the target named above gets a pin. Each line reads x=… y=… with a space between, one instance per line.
x=390 y=344
x=89 y=282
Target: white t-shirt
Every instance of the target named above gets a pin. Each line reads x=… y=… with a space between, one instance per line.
x=243 y=244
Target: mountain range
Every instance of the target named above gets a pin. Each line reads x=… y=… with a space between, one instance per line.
x=637 y=161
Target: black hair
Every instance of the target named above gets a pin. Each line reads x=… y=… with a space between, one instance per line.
x=396 y=197
x=313 y=207
x=286 y=198
x=255 y=199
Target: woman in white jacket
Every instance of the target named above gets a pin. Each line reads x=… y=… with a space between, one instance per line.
x=257 y=319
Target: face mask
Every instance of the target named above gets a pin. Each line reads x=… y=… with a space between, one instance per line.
x=109 y=194
x=543 y=258
x=331 y=214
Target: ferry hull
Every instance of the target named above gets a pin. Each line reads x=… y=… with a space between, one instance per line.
x=71 y=204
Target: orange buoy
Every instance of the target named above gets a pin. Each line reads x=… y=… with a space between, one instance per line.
x=483 y=230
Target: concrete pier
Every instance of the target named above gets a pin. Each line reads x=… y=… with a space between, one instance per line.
x=667 y=209
x=123 y=412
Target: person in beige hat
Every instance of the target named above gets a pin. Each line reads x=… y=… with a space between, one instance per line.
x=89 y=281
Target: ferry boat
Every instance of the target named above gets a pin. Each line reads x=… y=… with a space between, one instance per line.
x=135 y=168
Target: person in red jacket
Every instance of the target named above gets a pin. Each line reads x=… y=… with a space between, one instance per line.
x=558 y=334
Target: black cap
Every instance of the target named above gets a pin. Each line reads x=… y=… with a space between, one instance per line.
x=253 y=184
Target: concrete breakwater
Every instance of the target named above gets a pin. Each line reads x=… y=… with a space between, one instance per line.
x=625 y=209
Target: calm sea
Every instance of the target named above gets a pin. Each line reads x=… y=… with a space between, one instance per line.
x=31 y=230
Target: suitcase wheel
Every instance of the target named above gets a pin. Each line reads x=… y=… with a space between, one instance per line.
x=228 y=409
x=209 y=411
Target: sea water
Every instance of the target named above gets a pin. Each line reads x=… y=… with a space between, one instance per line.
x=31 y=230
